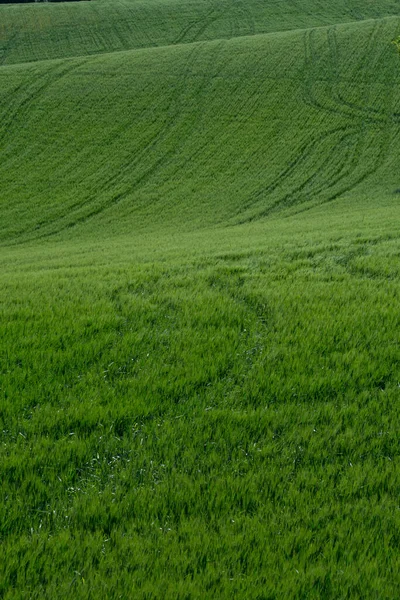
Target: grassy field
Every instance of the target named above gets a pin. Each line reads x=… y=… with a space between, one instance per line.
x=60 y=30
x=199 y=300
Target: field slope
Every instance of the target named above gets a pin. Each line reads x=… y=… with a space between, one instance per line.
x=199 y=289
x=60 y=30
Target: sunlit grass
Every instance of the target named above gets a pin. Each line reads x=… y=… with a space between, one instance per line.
x=205 y=418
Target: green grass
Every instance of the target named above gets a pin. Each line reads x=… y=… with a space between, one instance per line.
x=199 y=290
x=59 y=30
x=200 y=134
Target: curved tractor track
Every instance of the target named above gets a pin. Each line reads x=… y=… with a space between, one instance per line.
x=313 y=175
x=226 y=131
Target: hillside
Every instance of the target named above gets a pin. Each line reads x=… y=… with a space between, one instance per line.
x=199 y=285
x=57 y=30
x=216 y=132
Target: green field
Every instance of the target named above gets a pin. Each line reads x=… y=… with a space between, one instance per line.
x=199 y=300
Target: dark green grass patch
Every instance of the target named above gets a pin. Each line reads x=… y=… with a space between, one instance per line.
x=46 y=30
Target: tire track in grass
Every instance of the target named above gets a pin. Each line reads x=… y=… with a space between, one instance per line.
x=374 y=115
x=386 y=135
x=129 y=164
x=347 y=149
x=163 y=134
x=132 y=29
x=216 y=133
x=335 y=103
x=197 y=132
x=219 y=13
x=377 y=122
x=352 y=161
x=383 y=127
x=107 y=186
x=312 y=59
x=372 y=121
x=230 y=280
x=306 y=151
x=100 y=165
x=250 y=20
x=330 y=172
x=350 y=148
x=302 y=190
x=310 y=64
x=234 y=25
x=202 y=24
x=170 y=125
x=77 y=205
x=347 y=176
x=32 y=90
x=369 y=110
x=9 y=109
x=244 y=114
x=238 y=12
x=334 y=57
x=167 y=128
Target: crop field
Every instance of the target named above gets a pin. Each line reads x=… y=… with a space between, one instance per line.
x=200 y=300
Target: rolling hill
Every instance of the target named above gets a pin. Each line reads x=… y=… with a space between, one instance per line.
x=199 y=284
x=60 y=30
x=199 y=134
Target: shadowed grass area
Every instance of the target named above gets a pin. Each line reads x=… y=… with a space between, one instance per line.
x=55 y=30
x=199 y=289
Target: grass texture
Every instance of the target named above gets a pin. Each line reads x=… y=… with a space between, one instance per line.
x=199 y=291
x=60 y=30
